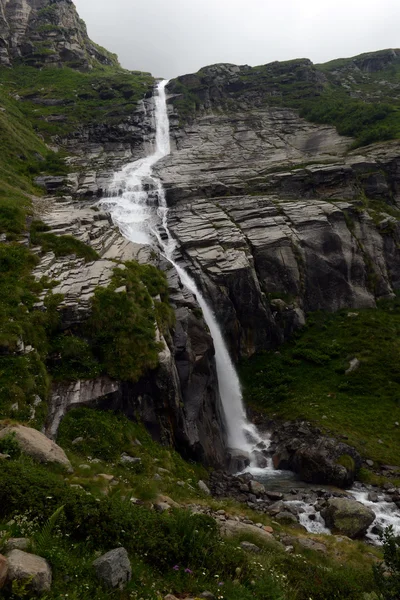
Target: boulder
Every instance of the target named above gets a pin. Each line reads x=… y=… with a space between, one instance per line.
x=312 y=545
x=161 y=507
x=286 y=518
x=232 y=528
x=348 y=517
x=17 y=544
x=114 y=568
x=3 y=570
x=316 y=458
x=256 y=488
x=237 y=460
x=249 y=547
x=30 y=568
x=204 y=487
x=37 y=445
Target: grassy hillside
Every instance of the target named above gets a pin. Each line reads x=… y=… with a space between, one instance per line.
x=95 y=509
x=307 y=378
x=37 y=107
x=58 y=101
x=361 y=103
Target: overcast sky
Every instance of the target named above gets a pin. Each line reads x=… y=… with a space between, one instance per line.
x=174 y=37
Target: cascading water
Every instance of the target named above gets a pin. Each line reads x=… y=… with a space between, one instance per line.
x=138 y=206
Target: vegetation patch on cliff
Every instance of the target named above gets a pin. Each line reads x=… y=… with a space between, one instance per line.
x=59 y=101
x=341 y=372
x=362 y=104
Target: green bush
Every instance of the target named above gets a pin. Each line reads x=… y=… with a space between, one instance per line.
x=9 y=445
x=387 y=574
x=61 y=245
x=106 y=435
x=71 y=358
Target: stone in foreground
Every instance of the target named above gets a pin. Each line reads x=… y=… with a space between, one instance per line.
x=348 y=517
x=204 y=487
x=249 y=547
x=17 y=544
x=30 y=568
x=37 y=445
x=3 y=570
x=114 y=568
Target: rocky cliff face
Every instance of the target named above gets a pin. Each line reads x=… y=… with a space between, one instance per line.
x=47 y=32
x=274 y=215
x=179 y=401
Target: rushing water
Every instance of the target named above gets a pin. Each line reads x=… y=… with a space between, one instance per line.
x=138 y=206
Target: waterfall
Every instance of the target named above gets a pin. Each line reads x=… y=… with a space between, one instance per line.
x=138 y=206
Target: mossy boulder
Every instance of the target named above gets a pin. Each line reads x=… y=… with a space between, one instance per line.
x=348 y=517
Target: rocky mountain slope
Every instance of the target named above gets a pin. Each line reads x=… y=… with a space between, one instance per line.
x=277 y=216
x=47 y=32
x=279 y=207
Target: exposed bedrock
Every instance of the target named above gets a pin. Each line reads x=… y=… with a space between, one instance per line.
x=275 y=217
x=179 y=401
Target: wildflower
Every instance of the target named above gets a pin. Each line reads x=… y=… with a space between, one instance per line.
x=176 y=568
x=188 y=571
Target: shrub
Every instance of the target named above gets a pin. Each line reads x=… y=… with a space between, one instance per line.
x=61 y=245
x=105 y=434
x=387 y=574
x=9 y=445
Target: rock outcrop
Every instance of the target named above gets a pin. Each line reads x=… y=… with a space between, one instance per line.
x=316 y=458
x=34 y=571
x=37 y=445
x=179 y=401
x=275 y=217
x=348 y=517
x=47 y=32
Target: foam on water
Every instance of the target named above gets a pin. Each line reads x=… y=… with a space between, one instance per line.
x=138 y=206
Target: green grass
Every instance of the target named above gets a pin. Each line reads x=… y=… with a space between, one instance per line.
x=61 y=245
x=307 y=378
x=103 y=95
x=173 y=552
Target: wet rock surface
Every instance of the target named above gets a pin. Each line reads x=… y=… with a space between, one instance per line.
x=316 y=458
x=348 y=517
x=179 y=401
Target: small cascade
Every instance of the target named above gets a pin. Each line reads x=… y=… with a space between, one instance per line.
x=138 y=206
x=387 y=513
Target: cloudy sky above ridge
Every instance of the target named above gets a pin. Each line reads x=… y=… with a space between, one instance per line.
x=174 y=37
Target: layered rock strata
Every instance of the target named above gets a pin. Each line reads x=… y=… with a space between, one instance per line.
x=47 y=32
x=179 y=401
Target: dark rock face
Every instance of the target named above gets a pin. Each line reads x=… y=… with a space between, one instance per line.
x=47 y=32
x=316 y=458
x=179 y=401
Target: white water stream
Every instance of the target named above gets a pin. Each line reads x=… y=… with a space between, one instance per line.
x=138 y=206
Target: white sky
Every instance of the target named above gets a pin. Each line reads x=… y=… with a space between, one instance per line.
x=175 y=37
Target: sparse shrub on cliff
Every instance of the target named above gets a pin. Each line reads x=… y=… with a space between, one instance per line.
x=61 y=245
x=121 y=327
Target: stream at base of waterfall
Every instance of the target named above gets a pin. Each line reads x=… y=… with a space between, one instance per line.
x=137 y=204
